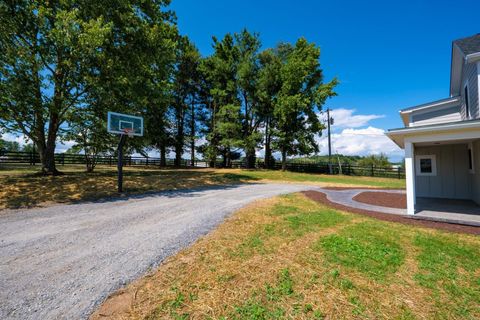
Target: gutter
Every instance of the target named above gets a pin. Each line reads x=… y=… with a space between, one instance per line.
x=472 y=124
x=472 y=57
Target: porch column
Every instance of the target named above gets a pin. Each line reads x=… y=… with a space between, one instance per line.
x=410 y=177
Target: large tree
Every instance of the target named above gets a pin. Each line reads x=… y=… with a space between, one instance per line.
x=185 y=96
x=42 y=75
x=268 y=87
x=248 y=80
x=299 y=100
x=220 y=71
x=56 y=53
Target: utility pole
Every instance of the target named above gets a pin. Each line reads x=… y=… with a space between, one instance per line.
x=329 y=122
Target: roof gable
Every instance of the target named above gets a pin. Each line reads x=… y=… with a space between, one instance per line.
x=469 y=45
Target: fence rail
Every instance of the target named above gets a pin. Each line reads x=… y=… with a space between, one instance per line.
x=7 y=157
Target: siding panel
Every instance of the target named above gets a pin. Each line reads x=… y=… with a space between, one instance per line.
x=470 y=74
x=445 y=115
x=452 y=180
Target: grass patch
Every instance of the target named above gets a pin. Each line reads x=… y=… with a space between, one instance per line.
x=24 y=187
x=322 y=178
x=367 y=247
x=257 y=265
x=451 y=269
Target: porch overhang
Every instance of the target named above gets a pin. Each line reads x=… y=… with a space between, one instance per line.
x=445 y=132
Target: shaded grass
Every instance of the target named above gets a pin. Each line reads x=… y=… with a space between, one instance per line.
x=326 y=264
x=24 y=187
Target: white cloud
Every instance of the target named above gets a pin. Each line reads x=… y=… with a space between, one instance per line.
x=362 y=142
x=17 y=138
x=345 y=118
x=60 y=147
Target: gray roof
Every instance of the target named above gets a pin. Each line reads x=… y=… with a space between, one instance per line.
x=469 y=45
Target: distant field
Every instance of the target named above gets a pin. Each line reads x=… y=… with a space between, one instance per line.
x=292 y=258
x=24 y=187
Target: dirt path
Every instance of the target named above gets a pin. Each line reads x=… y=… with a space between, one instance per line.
x=62 y=261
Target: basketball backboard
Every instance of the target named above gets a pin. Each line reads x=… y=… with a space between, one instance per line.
x=120 y=123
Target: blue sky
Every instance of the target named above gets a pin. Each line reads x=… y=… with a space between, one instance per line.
x=387 y=54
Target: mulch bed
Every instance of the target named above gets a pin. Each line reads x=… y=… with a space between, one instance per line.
x=383 y=199
x=359 y=187
x=322 y=198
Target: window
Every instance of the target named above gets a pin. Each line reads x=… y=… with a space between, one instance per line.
x=467 y=103
x=426 y=165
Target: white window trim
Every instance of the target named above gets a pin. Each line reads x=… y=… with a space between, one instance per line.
x=470 y=147
x=468 y=112
x=434 y=165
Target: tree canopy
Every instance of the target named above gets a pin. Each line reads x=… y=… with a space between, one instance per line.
x=65 y=64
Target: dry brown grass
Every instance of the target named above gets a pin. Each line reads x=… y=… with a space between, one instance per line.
x=24 y=187
x=238 y=269
x=28 y=189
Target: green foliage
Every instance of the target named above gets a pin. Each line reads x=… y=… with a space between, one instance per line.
x=9 y=146
x=380 y=160
x=301 y=95
x=62 y=58
x=65 y=64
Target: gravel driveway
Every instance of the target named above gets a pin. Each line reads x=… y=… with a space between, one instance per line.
x=61 y=262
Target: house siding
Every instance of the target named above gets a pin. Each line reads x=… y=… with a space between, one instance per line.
x=470 y=75
x=444 y=115
x=475 y=178
x=453 y=180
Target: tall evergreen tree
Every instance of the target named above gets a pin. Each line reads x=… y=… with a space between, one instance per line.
x=220 y=70
x=185 y=92
x=248 y=80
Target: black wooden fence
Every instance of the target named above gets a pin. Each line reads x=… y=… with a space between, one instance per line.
x=30 y=158
x=7 y=157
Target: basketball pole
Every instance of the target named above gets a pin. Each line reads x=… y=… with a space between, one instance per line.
x=123 y=137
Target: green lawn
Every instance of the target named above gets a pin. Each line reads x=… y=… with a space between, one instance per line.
x=291 y=258
x=392 y=183
x=24 y=187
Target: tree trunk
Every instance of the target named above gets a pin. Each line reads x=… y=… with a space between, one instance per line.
x=284 y=159
x=179 y=149
x=180 y=138
x=192 y=135
x=163 y=158
x=48 y=161
x=224 y=161
x=268 y=150
x=250 y=157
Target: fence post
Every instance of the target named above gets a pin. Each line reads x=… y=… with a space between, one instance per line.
x=373 y=173
x=399 y=175
x=147 y=161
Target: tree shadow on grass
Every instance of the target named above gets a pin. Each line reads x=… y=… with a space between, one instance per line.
x=30 y=190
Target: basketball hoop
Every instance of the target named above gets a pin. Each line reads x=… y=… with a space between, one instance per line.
x=128 y=131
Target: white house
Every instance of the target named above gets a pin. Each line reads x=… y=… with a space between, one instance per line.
x=442 y=138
